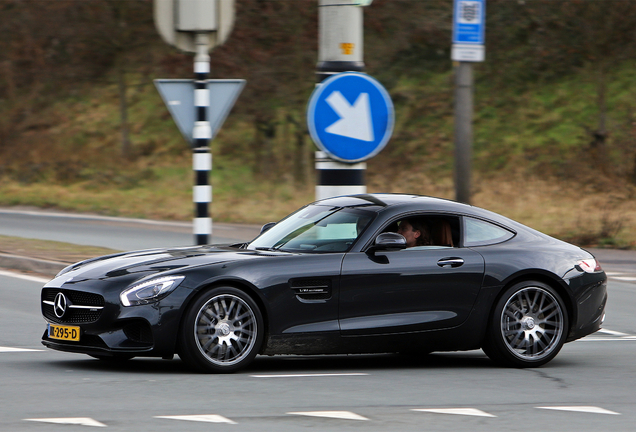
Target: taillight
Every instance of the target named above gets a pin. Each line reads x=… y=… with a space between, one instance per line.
x=590 y=265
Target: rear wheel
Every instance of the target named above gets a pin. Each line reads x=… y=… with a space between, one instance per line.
x=528 y=326
x=222 y=331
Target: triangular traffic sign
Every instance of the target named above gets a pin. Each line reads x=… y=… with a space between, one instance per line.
x=178 y=95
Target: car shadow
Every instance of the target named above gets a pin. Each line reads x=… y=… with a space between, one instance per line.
x=286 y=364
x=367 y=362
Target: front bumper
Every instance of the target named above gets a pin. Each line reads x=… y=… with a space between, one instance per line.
x=147 y=330
x=134 y=336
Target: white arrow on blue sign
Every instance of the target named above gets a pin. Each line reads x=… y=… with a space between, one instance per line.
x=350 y=117
x=178 y=95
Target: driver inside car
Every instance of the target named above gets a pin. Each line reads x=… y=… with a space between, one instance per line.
x=415 y=231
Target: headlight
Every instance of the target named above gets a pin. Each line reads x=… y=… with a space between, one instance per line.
x=589 y=266
x=149 y=291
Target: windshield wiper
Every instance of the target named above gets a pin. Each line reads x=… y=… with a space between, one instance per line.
x=270 y=249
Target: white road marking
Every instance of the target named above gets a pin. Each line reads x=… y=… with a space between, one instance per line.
x=344 y=415
x=25 y=277
x=621 y=276
x=9 y=349
x=585 y=409
x=457 y=411
x=618 y=336
x=208 y=418
x=309 y=375
x=82 y=421
x=612 y=332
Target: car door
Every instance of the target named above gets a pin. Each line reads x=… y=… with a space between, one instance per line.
x=415 y=289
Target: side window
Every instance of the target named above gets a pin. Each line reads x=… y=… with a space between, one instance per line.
x=481 y=233
x=435 y=230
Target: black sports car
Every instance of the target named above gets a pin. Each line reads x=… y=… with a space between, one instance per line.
x=337 y=277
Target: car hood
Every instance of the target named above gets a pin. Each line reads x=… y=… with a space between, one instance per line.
x=144 y=262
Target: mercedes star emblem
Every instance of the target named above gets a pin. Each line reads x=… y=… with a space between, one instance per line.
x=60 y=304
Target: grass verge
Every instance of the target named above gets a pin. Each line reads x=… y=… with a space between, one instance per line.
x=50 y=250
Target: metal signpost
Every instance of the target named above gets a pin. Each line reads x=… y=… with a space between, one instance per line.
x=350 y=115
x=350 y=118
x=469 y=30
x=197 y=26
x=469 y=21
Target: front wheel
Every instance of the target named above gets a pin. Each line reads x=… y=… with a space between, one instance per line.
x=222 y=331
x=528 y=326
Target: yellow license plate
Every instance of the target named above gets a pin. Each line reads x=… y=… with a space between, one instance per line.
x=70 y=333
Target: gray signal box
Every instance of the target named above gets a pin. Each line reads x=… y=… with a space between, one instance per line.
x=178 y=21
x=196 y=15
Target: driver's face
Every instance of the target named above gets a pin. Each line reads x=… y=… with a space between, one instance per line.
x=409 y=234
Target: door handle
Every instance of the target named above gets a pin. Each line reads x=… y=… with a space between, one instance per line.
x=450 y=262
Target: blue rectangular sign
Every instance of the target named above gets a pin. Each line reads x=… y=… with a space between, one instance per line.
x=469 y=22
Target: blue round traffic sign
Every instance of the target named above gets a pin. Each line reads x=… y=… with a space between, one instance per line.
x=350 y=117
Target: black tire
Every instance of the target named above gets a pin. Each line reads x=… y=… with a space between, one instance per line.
x=222 y=331
x=528 y=326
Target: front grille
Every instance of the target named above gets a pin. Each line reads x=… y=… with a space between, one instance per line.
x=75 y=298
x=73 y=316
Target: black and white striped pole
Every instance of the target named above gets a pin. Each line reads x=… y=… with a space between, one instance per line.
x=196 y=26
x=336 y=178
x=202 y=134
x=340 y=49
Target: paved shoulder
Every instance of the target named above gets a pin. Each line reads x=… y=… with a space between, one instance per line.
x=112 y=232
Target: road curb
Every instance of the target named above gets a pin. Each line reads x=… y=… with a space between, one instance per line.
x=33 y=265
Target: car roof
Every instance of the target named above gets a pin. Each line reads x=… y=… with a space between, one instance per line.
x=405 y=203
x=389 y=200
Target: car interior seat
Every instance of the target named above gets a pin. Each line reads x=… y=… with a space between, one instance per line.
x=441 y=233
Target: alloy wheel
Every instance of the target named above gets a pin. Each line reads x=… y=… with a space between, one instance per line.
x=532 y=323
x=225 y=330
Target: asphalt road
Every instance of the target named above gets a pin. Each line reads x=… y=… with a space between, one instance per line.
x=43 y=389
x=588 y=387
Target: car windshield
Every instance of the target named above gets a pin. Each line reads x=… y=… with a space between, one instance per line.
x=315 y=229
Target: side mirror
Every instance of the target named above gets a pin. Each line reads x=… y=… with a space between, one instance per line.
x=388 y=241
x=267 y=226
